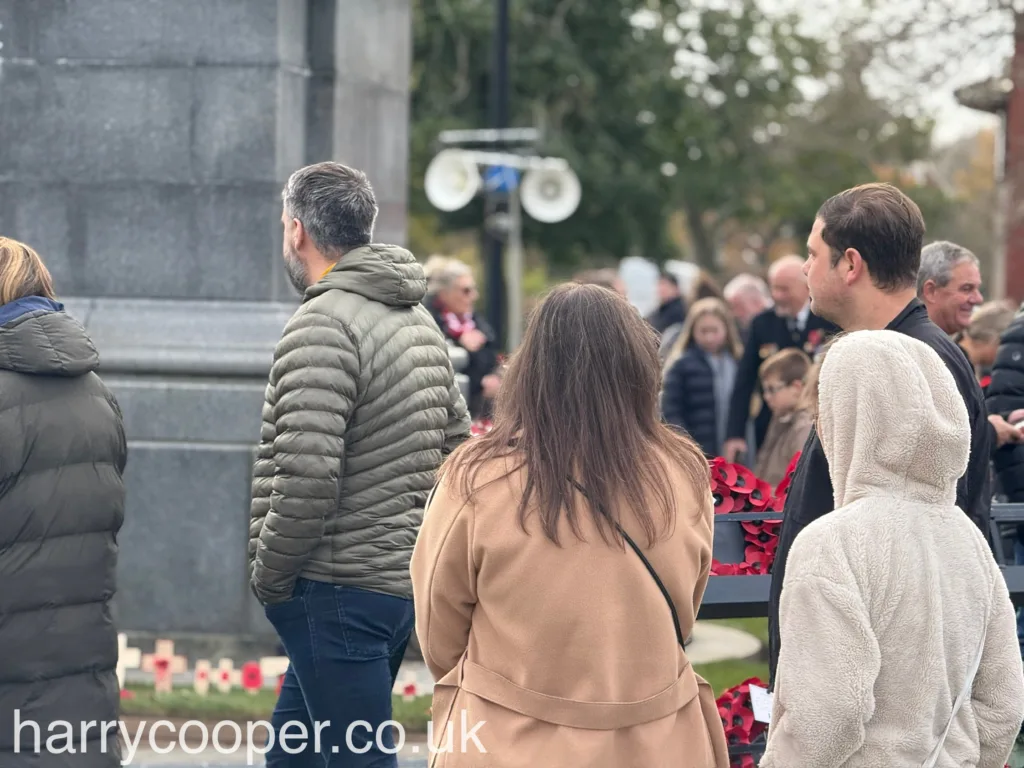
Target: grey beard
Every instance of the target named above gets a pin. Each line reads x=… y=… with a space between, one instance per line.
x=296 y=273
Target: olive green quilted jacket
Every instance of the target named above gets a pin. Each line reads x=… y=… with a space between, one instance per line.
x=361 y=408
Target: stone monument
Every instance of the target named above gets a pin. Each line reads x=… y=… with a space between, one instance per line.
x=143 y=147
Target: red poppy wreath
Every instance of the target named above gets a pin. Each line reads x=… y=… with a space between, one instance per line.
x=736 y=489
x=737 y=715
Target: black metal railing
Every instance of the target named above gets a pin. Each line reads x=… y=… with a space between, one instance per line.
x=734 y=597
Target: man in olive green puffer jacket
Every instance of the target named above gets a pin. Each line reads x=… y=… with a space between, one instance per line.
x=361 y=408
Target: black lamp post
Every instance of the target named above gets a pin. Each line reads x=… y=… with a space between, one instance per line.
x=496 y=204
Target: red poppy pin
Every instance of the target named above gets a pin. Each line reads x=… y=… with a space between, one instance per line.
x=814 y=339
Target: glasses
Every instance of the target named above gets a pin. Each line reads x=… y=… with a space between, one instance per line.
x=772 y=391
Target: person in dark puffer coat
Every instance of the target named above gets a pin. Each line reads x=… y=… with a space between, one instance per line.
x=62 y=455
x=1004 y=396
x=700 y=373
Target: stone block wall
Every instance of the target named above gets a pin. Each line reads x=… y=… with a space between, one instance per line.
x=143 y=146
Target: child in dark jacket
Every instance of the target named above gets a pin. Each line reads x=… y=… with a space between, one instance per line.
x=700 y=372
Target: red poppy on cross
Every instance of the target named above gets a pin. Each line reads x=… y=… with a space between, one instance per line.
x=164 y=665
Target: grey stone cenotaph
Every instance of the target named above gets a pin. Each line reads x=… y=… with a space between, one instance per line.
x=143 y=147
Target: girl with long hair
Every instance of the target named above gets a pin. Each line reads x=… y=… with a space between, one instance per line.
x=700 y=372
x=563 y=558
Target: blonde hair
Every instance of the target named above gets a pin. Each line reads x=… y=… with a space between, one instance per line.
x=22 y=273
x=809 y=396
x=989 y=321
x=708 y=306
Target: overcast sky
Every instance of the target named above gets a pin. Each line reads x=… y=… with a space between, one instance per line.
x=942 y=37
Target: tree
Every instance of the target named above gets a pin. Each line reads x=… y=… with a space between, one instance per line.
x=706 y=107
x=579 y=73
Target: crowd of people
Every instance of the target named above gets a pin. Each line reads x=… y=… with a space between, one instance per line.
x=552 y=567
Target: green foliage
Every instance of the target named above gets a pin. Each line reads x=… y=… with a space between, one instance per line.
x=660 y=106
x=578 y=72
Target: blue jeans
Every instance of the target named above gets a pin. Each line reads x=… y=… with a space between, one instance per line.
x=344 y=646
x=1018 y=559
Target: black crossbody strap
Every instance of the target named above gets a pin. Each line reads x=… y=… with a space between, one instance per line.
x=647 y=565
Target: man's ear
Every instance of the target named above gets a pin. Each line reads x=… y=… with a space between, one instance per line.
x=299 y=235
x=928 y=289
x=852 y=266
x=799 y=384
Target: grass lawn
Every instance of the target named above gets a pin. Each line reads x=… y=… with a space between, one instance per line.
x=725 y=674
x=241 y=706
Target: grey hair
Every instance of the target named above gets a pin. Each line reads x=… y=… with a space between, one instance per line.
x=938 y=260
x=335 y=204
x=746 y=283
x=448 y=273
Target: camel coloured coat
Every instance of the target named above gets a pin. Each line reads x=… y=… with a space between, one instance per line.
x=886 y=600
x=568 y=655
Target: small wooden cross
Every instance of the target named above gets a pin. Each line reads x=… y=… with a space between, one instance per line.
x=127 y=658
x=201 y=681
x=227 y=676
x=164 y=665
x=405 y=686
x=274 y=666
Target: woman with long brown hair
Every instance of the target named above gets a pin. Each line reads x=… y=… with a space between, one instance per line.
x=563 y=557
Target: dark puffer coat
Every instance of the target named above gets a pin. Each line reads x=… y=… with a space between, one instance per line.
x=62 y=454
x=1004 y=395
x=688 y=399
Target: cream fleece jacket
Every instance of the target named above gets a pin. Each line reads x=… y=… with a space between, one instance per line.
x=886 y=599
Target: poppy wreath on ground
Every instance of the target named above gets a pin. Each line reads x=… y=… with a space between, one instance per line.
x=736 y=489
x=737 y=715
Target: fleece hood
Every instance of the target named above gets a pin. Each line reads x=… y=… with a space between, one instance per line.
x=38 y=337
x=384 y=273
x=891 y=420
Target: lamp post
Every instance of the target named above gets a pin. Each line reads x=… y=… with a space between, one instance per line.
x=497 y=205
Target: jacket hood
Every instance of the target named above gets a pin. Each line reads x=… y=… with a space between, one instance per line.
x=891 y=420
x=384 y=273
x=38 y=337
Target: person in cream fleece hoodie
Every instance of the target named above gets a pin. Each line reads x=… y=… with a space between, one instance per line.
x=887 y=601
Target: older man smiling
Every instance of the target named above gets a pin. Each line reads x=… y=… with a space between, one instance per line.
x=949 y=284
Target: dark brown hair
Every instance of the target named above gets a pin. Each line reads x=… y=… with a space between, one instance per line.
x=579 y=401
x=704 y=287
x=884 y=225
x=788 y=365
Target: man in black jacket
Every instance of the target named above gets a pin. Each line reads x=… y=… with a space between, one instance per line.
x=671 y=306
x=864 y=253
x=790 y=323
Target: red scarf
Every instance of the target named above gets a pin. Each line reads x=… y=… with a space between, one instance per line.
x=456 y=325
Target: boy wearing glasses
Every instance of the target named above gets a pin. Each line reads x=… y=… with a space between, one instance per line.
x=782 y=382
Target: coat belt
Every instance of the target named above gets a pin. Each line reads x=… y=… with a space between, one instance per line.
x=592 y=715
